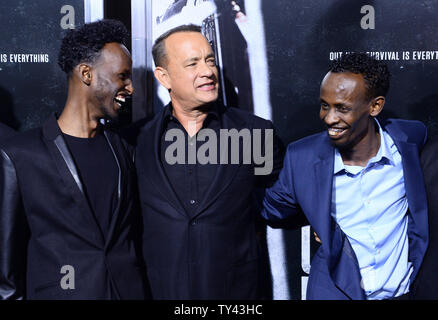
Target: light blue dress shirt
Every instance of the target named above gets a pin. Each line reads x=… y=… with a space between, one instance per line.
x=370 y=205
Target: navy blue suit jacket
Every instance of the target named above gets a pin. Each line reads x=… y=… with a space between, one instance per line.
x=305 y=186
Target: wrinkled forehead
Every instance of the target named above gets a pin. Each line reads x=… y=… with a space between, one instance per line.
x=182 y=44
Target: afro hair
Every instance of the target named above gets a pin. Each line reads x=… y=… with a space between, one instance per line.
x=84 y=44
x=375 y=73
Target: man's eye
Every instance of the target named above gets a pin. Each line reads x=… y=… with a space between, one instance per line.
x=211 y=62
x=324 y=106
x=343 y=109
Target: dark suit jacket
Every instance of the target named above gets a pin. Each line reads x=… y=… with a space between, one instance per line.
x=46 y=223
x=426 y=284
x=305 y=186
x=214 y=254
x=6 y=132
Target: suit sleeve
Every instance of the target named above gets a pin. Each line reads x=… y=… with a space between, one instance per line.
x=14 y=233
x=271 y=143
x=426 y=282
x=280 y=201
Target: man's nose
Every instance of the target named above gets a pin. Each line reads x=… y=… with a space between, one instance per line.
x=129 y=87
x=331 y=117
x=206 y=70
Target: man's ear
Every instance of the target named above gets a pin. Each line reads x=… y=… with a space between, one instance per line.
x=162 y=76
x=85 y=73
x=377 y=106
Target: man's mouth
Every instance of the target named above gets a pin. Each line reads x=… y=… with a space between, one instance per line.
x=120 y=100
x=336 y=132
x=207 y=86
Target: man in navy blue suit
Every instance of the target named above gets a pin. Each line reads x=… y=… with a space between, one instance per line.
x=360 y=186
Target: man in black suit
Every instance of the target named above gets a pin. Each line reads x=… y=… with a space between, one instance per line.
x=198 y=199
x=68 y=189
x=425 y=286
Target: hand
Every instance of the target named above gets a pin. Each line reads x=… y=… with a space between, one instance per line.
x=317 y=239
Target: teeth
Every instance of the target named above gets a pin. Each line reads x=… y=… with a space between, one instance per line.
x=334 y=131
x=120 y=99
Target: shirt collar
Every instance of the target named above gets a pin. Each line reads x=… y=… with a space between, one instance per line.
x=384 y=155
x=168 y=113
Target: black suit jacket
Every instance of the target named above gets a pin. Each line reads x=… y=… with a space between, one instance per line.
x=426 y=284
x=214 y=254
x=6 y=132
x=46 y=223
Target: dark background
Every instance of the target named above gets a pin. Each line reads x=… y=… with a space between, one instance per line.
x=301 y=33
x=30 y=92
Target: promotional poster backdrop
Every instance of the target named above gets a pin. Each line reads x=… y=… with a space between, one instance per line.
x=32 y=86
x=272 y=56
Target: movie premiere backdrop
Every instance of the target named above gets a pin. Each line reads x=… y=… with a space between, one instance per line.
x=272 y=56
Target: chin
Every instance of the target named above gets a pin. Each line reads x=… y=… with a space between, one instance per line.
x=341 y=145
x=111 y=114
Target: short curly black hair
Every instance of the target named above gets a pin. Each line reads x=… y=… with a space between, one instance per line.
x=85 y=43
x=375 y=73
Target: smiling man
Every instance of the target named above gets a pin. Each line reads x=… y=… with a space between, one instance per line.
x=68 y=206
x=360 y=186
x=200 y=235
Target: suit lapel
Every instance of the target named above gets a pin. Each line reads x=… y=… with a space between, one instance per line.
x=67 y=169
x=224 y=172
x=416 y=196
x=115 y=215
x=223 y=177
x=150 y=144
x=323 y=170
x=342 y=262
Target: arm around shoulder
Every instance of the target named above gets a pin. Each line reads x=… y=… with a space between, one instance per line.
x=280 y=200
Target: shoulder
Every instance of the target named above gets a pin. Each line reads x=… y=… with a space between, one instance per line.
x=22 y=140
x=6 y=132
x=405 y=125
x=25 y=146
x=140 y=127
x=414 y=130
x=310 y=143
x=246 y=118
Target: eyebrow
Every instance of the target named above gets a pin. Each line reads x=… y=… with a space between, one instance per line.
x=194 y=59
x=211 y=55
x=126 y=72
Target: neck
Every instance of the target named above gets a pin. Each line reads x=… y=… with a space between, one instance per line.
x=191 y=119
x=364 y=150
x=75 y=120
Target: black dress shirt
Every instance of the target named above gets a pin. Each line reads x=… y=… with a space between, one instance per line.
x=189 y=181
